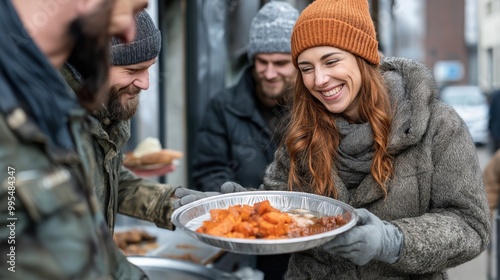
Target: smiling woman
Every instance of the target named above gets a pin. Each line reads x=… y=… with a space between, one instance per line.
x=372 y=133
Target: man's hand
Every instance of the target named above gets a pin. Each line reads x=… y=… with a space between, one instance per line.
x=231 y=187
x=186 y=196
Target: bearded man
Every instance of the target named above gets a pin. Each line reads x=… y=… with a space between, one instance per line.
x=50 y=225
x=118 y=190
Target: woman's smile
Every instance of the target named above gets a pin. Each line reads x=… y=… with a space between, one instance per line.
x=335 y=92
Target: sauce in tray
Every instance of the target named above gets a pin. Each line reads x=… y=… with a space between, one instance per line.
x=309 y=223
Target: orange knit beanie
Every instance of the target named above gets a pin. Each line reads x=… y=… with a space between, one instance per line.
x=343 y=24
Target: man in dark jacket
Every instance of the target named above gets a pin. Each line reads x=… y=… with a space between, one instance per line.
x=51 y=226
x=235 y=141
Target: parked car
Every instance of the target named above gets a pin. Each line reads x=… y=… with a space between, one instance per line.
x=471 y=104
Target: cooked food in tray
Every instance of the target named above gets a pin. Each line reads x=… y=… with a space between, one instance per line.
x=312 y=214
x=264 y=221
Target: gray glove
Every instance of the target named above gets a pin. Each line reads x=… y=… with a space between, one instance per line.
x=186 y=196
x=371 y=239
x=231 y=187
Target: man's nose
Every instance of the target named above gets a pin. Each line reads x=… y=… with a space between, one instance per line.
x=142 y=80
x=270 y=72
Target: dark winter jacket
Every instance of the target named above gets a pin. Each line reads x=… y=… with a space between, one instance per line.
x=234 y=143
x=436 y=197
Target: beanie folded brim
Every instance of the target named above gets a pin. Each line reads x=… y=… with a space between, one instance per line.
x=137 y=51
x=335 y=33
x=268 y=46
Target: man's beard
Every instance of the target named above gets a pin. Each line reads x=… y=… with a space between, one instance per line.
x=117 y=108
x=273 y=94
x=90 y=55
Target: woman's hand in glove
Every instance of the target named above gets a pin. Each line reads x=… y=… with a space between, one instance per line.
x=371 y=239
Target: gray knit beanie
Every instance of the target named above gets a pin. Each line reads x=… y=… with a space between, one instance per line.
x=271 y=29
x=146 y=45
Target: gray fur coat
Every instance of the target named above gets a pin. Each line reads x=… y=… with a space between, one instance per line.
x=436 y=197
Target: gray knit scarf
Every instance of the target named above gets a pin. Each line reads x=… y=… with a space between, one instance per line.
x=355 y=152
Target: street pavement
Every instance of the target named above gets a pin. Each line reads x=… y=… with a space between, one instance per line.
x=477 y=269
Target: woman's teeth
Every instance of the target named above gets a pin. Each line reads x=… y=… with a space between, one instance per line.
x=333 y=91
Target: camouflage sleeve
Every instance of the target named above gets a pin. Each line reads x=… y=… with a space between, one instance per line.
x=145 y=199
x=48 y=229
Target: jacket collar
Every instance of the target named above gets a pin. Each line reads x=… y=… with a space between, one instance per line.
x=117 y=134
x=243 y=103
x=412 y=90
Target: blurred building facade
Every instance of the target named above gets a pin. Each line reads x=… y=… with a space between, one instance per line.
x=489 y=44
x=446 y=51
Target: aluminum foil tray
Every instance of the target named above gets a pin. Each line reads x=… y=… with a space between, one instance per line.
x=191 y=216
x=161 y=269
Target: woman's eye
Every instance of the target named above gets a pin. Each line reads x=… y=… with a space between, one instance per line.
x=305 y=69
x=330 y=62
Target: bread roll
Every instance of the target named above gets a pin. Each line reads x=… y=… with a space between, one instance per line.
x=147 y=146
x=149 y=152
x=165 y=156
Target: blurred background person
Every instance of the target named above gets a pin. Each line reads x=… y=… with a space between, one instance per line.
x=491 y=178
x=54 y=229
x=235 y=140
x=494 y=120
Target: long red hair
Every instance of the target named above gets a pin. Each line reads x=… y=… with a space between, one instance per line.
x=312 y=137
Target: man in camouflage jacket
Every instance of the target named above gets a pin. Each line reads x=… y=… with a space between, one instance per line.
x=50 y=223
x=117 y=188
